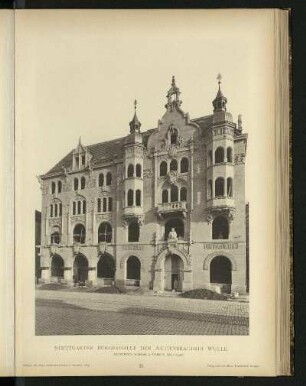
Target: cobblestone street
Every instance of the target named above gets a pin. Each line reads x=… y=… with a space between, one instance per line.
x=76 y=313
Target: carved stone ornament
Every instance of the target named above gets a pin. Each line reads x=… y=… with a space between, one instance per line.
x=53 y=249
x=213 y=212
x=102 y=247
x=172 y=177
x=240 y=158
x=76 y=248
x=209 y=218
x=132 y=218
x=53 y=222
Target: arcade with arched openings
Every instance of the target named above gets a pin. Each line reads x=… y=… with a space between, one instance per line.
x=80 y=268
x=133 y=268
x=221 y=273
x=57 y=266
x=106 y=268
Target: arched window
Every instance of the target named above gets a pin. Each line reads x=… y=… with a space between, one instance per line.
x=60 y=209
x=210 y=161
x=59 y=186
x=178 y=226
x=229 y=187
x=130 y=197
x=51 y=210
x=105 y=233
x=74 y=208
x=133 y=269
x=165 y=196
x=173 y=165
x=229 y=154
x=76 y=184
x=219 y=155
x=138 y=170
x=219 y=187
x=79 y=233
x=99 y=205
x=55 y=235
x=84 y=206
x=184 y=165
x=138 y=197
x=130 y=171
x=174 y=193
x=210 y=192
x=53 y=187
x=79 y=207
x=83 y=182
x=221 y=272
x=57 y=266
x=106 y=267
x=55 y=210
x=220 y=228
x=183 y=194
x=133 y=232
x=108 y=178
x=101 y=179
x=163 y=168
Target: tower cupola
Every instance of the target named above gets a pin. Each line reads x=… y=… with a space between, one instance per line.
x=220 y=101
x=173 y=96
x=135 y=123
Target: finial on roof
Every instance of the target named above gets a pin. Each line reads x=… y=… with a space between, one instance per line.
x=135 y=124
x=135 y=105
x=173 y=81
x=220 y=101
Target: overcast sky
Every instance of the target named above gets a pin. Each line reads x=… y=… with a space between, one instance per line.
x=78 y=73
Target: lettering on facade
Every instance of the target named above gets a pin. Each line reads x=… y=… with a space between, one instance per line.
x=220 y=245
x=132 y=247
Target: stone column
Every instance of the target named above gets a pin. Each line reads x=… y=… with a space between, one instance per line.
x=159 y=280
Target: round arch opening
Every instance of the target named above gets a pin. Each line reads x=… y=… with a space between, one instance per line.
x=221 y=273
x=80 y=269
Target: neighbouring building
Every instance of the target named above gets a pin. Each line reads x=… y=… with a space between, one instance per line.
x=162 y=209
x=37 y=243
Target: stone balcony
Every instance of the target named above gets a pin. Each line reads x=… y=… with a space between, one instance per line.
x=170 y=208
x=131 y=213
x=221 y=201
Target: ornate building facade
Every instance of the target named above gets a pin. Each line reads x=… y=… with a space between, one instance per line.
x=161 y=209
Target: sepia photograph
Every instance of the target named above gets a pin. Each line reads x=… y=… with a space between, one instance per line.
x=142 y=220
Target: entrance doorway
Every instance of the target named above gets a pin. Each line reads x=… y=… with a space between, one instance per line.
x=106 y=268
x=173 y=273
x=57 y=266
x=221 y=273
x=80 y=269
x=133 y=267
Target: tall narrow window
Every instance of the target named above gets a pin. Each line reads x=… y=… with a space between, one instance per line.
x=163 y=169
x=76 y=184
x=165 y=196
x=219 y=187
x=110 y=204
x=79 y=207
x=220 y=228
x=108 y=178
x=219 y=155
x=130 y=171
x=60 y=209
x=173 y=165
x=84 y=206
x=229 y=187
x=133 y=232
x=99 y=205
x=77 y=161
x=74 y=207
x=53 y=187
x=104 y=204
x=173 y=138
x=59 y=186
x=174 y=193
x=101 y=179
x=51 y=210
x=229 y=154
x=210 y=193
x=183 y=194
x=184 y=165
x=138 y=197
x=55 y=210
x=130 y=198
x=83 y=182
x=83 y=160
x=210 y=161
x=138 y=170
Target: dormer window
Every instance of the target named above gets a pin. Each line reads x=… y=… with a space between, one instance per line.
x=83 y=160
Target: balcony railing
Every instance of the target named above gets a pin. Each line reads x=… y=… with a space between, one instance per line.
x=132 y=211
x=172 y=207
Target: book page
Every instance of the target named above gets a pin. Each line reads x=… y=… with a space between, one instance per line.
x=154 y=249
x=7 y=192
